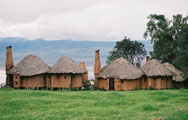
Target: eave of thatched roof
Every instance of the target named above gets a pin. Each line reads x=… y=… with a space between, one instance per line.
x=66 y=65
x=121 y=69
x=178 y=75
x=29 y=66
x=154 y=68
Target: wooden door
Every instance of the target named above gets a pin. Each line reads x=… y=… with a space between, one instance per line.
x=117 y=84
x=111 y=84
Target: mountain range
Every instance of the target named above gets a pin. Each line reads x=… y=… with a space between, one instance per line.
x=50 y=51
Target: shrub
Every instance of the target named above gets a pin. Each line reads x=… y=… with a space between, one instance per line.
x=135 y=88
x=74 y=89
x=150 y=88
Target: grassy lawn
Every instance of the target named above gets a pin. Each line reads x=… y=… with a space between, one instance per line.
x=136 y=105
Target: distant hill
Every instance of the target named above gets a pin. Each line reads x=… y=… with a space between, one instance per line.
x=50 y=51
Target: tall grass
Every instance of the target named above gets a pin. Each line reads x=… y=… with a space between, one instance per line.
x=140 y=104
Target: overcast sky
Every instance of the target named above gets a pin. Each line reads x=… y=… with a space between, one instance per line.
x=105 y=20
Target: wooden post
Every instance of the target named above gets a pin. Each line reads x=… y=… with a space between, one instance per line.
x=29 y=82
x=36 y=82
x=107 y=88
x=149 y=80
x=52 y=83
x=159 y=83
x=70 y=83
x=135 y=86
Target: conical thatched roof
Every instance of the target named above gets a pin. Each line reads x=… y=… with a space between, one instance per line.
x=155 y=68
x=178 y=75
x=122 y=69
x=29 y=66
x=66 y=65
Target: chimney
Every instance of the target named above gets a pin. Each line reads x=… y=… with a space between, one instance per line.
x=83 y=67
x=97 y=66
x=9 y=58
x=147 y=59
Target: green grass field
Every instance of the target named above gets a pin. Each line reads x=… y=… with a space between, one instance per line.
x=134 y=105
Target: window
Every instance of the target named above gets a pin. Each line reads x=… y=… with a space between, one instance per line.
x=145 y=79
x=65 y=77
x=49 y=76
x=121 y=81
x=16 y=77
x=22 y=78
x=57 y=76
x=16 y=83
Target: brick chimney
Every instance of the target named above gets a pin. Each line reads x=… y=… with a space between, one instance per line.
x=9 y=64
x=9 y=58
x=147 y=59
x=83 y=66
x=97 y=67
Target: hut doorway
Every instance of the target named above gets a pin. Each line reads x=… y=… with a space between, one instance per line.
x=111 y=84
x=9 y=80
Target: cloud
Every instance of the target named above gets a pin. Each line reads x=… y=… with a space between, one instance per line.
x=107 y=20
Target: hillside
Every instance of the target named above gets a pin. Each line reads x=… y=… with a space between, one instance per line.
x=92 y=105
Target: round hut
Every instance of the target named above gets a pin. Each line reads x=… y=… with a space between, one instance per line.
x=157 y=76
x=65 y=74
x=178 y=80
x=29 y=73
x=120 y=75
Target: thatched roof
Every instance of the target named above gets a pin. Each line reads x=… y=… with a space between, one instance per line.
x=29 y=66
x=121 y=69
x=178 y=75
x=154 y=68
x=66 y=65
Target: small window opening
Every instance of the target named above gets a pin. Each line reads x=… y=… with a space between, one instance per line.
x=16 y=83
x=49 y=76
x=121 y=81
x=145 y=79
x=65 y=77
x=57 y=76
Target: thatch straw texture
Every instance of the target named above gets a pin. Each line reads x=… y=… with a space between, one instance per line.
x=154 y=68
x=178 y=75
x=121 y=69
x=66 y=65
x=29 y=66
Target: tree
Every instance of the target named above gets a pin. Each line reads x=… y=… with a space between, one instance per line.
x=182 y=54
x=166 y=35
x=133 y=51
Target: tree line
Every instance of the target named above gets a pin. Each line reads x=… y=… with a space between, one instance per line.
x=169 y=38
